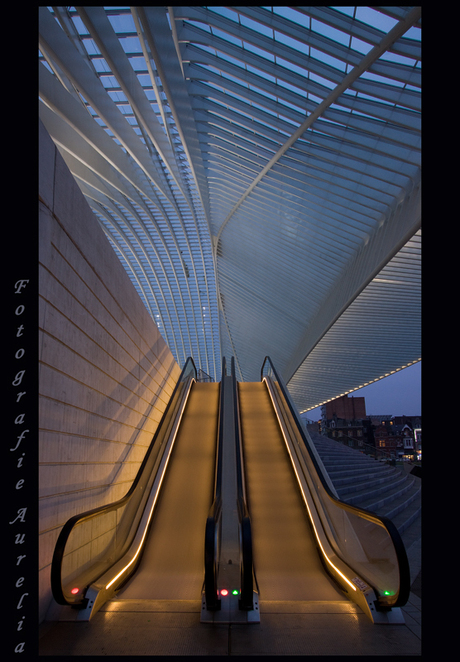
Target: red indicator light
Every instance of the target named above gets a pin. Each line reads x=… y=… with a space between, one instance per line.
x=224 y=591
x=74 y=591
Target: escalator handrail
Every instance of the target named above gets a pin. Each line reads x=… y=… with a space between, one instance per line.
x=213 y=521
x=247 y=564
x=58 y=555
x=218 y=469
x=240 y=479
x=403 y=563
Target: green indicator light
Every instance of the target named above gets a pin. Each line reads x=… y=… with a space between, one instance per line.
x=235 y=591
x=386 y=593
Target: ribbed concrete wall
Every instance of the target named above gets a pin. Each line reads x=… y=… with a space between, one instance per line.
x=105 y=372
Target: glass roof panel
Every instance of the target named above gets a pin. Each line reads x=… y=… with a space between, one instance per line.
x=228 y=12
x=375 y=18
x=330 y=32
x=251 y=201
x=122 y=23
x=360 y=45
x=348 y=11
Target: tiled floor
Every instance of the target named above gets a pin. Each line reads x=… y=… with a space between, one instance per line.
x=161 y=627
x=287 y=628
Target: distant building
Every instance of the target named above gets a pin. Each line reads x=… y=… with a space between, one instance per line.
x=344 y=419
x=418 y=441
x=413 y=421
x=399 y=435
x=346 y=407
x=388 y=436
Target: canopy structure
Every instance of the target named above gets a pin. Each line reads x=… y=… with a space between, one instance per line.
x=258 y=172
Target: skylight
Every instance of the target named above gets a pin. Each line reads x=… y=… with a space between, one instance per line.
x=237 y=160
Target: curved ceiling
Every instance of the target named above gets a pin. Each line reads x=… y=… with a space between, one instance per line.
x=257 y=171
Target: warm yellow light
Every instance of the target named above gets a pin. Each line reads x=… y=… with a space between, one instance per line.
x=128 y=565
x=306 y=502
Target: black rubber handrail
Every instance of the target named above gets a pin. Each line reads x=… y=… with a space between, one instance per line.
x=213 y=521
x=247 y=563
x=56 y=564
x=403 y=563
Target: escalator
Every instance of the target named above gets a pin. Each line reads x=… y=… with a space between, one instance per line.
x=286 y=560
x=150 y=543
x=307 y=544
x=231 y=500
x=172 y=561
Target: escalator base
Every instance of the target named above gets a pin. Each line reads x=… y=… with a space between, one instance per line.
x=230 y=612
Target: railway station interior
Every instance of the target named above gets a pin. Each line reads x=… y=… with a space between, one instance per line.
x=229 y=237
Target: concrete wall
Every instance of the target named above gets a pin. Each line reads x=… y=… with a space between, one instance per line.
x=105 y=372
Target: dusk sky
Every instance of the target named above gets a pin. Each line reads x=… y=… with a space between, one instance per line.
x=397 y=394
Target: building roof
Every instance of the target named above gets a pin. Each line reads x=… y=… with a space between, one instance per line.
x=257 y=171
